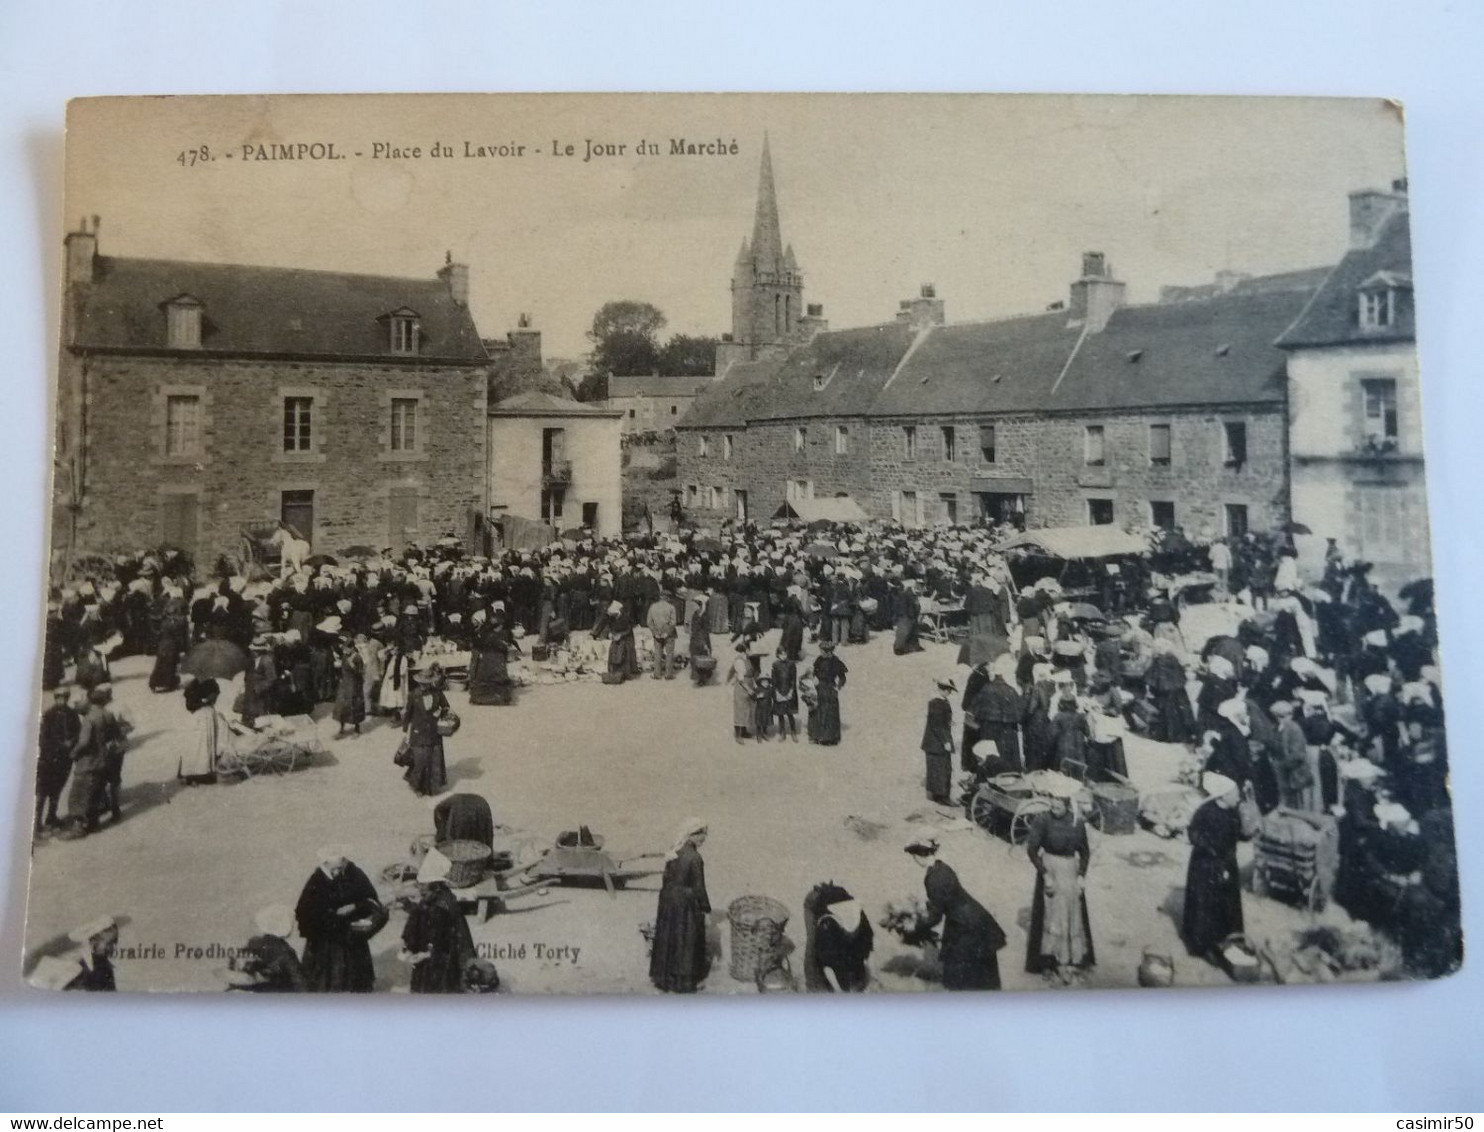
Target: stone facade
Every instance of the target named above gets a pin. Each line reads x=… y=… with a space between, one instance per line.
x=135 y=493
x=1039 y=458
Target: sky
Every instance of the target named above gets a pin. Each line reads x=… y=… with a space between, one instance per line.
x=990 y=198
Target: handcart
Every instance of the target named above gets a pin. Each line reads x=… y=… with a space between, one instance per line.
x=1005 y=805
x=1297 y=855
x=277 y=747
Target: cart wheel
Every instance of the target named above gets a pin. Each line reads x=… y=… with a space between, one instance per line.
x=982 y=810
x=1020 y=824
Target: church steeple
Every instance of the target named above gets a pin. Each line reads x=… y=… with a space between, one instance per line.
x=767 y=287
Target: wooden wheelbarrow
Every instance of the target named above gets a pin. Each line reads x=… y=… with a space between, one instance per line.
x=578 y=857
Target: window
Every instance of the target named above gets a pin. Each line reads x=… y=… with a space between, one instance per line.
x=691 y=493
x=1377 y=309
x=183 y=325
x=404 y=334
x=1094 y=447
x=1379 y=397
x=552 y=501
x=726 y=447
x=950 y=445
x=801 y=437
x=1100 y=512
x=909 y=443
x=1236 y=443
x=404 y=424
x=183 y=425
x=986 y=443
x=705 y=445
x=799 y=490
x=948 y=505
x=631 y=414
x=296 y=510
x=842 y=440
x=715 y=500
x=297 y=412
x=819 y=382
x=1162 y=514
x=1159 y=445
x=674 y=409
x=1236 y=520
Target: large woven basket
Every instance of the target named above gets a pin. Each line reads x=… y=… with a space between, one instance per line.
x=757 y=935
x=469 y=859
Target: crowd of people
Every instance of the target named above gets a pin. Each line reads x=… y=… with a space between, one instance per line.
x=1325 y=699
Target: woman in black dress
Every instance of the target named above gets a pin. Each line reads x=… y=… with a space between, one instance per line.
x=338 y=913
x=436 y=938
x=1213 y=886
x=679 y=960
x=427 y=773
x=971 y=938
x=489 y=663
x=829 y=678
x=937 y=744
x=837 y=941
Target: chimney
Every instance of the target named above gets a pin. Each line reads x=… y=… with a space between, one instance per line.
x=1096 y=295
x=1370 y=209
x=456 y=275
x=924 y=311
x=525 y=344
x=82 y=249
x=812 y=323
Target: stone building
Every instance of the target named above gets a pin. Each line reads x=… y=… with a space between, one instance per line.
x=1354 y=400
x=198 y=401
x=1095 y=411
x=556 y=460
x=652 y=403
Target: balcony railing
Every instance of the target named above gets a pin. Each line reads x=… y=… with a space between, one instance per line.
x=556 y=472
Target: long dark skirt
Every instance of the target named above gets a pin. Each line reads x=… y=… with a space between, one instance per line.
x=1174 y=722
x=906 y=639
x=1035 y=962
x=939 y=776
x=1006 y=736
x=489 y=677
x=165 y=676
x=824 y=718
x=1213 y=903
x=623 y=660
x=427 y=774
x=350 y=698
x=679 y=961
x=338 y=965
x=1039 y=742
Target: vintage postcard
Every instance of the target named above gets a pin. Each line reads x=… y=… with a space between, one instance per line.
x=737 y=544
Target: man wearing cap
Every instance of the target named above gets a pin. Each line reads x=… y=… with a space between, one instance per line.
x=661 y=621
x=97 y=733
x=60 y=725
x=1296 y=786
x=937 y=743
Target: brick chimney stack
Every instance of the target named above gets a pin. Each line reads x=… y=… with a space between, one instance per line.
x=924 y=311
x=1370 y=209
x=82 y=250
x=1096 y=295
x=456 y=275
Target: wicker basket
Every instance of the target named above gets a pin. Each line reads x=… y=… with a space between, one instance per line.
x=448 y=723
x=469 y=859
x=1117 y=807
x=757 y=935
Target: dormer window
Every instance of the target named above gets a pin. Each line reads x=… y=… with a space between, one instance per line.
x=1377 y=309
x=183 y=323
x=1379 y=300
x=404 y=327
x=818 y=382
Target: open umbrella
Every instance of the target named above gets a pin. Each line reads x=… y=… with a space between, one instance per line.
x=821 y=550
x=1295 y=528
x=318 y=560
x=218 y=660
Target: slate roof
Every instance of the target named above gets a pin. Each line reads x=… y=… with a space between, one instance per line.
x=652 y=385
x=1205 y=351
x=1332 y=318
x=273 y=311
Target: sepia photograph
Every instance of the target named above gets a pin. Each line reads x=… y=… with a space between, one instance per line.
x=737 y=545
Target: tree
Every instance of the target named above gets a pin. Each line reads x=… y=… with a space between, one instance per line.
x=686 y=355
x=625 y=337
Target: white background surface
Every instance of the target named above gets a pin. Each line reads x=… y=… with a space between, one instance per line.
x=1414 y=1048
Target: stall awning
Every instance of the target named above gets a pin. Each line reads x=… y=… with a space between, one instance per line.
x=840 y=509
x=1001 y=485
x=1079 y=542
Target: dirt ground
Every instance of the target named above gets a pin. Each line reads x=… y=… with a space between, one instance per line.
x=189 y=866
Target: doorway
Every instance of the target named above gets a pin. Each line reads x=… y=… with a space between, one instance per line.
x=296 y=509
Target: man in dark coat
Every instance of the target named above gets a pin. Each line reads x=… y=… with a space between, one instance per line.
x=937 y=744
x=338 y=913
x=60 y=725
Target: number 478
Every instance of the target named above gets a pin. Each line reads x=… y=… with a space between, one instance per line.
x=189 y=157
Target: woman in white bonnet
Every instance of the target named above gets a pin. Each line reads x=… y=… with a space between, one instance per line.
x=1213 y=885
x=679 y=959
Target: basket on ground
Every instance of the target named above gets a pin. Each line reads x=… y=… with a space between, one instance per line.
x=1116 y=806
x=757 y=935
x=469 y=860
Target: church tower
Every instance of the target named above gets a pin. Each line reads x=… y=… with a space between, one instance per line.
x=767 y=286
